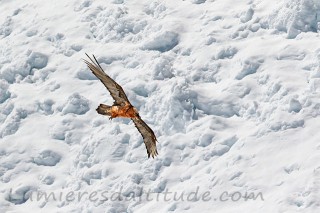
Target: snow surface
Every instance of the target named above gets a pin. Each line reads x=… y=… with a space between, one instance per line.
x=231 y=89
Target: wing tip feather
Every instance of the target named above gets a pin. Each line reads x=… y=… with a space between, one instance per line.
x=152 y=152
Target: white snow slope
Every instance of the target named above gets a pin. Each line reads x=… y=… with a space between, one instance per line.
x=231 y=89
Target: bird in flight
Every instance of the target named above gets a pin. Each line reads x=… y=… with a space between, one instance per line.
x=121 y=106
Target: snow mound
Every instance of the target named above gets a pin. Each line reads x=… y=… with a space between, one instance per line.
x=162 y=42
x=115 y=24
x=76 y=104
x=4 y=91
x=37 y=60
x=47 y=158
x=26 y=65
x=294 y=17
x=6 y=27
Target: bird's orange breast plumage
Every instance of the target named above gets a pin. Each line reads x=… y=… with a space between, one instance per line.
x=126 y=111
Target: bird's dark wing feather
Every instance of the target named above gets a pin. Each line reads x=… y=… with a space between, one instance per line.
x=149 y=138
x=116 y=91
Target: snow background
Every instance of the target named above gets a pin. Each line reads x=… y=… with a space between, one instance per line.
x=231 y=89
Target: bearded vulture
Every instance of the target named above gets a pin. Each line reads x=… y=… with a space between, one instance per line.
x=122 y=106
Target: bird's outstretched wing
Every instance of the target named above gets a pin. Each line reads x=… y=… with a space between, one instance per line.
x=116 y=91
x=149 y=138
